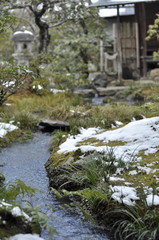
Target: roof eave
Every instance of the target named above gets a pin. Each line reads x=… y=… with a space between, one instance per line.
x=121 y=3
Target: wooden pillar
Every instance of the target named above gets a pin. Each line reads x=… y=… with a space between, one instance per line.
x=119 y=48
x=144 y=33
x=101 y=56
x=137 y=45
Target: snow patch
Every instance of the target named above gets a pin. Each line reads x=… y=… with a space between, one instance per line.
x=152 y=200
x=5 y=128
x=146 y=138
x=124 y=194
x=25 y=237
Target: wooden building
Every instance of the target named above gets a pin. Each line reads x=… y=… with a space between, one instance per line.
x=131 y=51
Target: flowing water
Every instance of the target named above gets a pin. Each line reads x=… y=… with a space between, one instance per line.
x=26 y=162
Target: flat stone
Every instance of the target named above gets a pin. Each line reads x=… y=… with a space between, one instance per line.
x=51 y=125
x=110 y=91
x=86 y=93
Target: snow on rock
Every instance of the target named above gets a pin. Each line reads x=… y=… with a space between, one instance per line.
x=25 y=237
x=5 y=128
x=21 y=32
x=17 y=212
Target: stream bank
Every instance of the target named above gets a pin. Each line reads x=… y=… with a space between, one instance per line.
x=26 y=162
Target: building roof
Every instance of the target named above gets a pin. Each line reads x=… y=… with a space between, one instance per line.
x=107 y=3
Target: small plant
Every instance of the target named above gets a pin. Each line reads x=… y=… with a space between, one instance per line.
x=39 y=220
x=12 y=206
x=58 y=138
x=135 y=222
x=12 y=78
x=11 y=191
x=25 y=120
x=40 y=86
x=99 y=166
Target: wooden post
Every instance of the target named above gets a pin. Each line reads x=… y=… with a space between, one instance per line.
x=137 y=45
x=144 y=44
x=119 y=50
x=101 y=56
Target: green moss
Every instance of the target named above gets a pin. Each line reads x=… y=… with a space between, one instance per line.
x=7 y=231
x=57 y=159
x=91 y=141
x=10 y=137
x=143 y=178
x=97 y=143
x=115 y=143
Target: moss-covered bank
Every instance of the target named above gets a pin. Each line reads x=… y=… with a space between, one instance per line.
x=95 y=176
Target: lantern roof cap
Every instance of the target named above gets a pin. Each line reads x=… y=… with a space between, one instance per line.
x=23 y=35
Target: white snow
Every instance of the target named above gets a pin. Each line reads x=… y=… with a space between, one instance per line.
x=5 y=128
x=145 y=169
x=152 y=200
x=141 y=135
x=16 y=211
x=53 y=90
x=25 y=31
x=137 y=135
x=2 y=203
x=40 y=87
x=25 y=237
x=117 y=124
x=116 y=179
x=70 y=143
x=9 y=84
x=123 y=194
x=133 y=172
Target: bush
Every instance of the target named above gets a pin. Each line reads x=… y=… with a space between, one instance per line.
x=12 y=78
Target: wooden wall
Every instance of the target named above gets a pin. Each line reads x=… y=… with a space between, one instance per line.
x=136 y=52
x=145 y=15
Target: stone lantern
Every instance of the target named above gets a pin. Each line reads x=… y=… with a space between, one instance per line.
x=23 y=46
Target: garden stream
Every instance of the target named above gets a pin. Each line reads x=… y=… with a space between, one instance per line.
x=26 y=161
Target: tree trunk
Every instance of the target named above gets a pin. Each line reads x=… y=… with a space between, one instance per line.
x=44 y=36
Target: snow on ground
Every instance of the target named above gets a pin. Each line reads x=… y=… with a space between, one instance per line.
x=123 y=194
x=25 y=237
x=152 y=199
x=70 y=144
x=136 y=136
x=5 y=128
